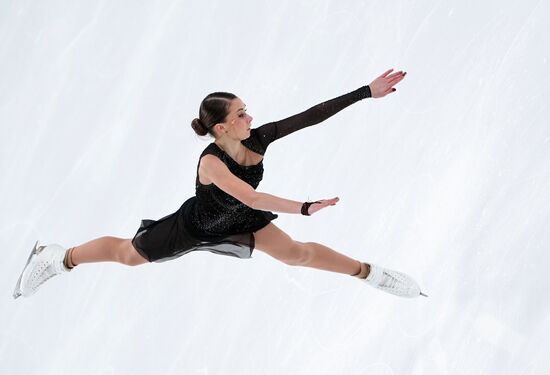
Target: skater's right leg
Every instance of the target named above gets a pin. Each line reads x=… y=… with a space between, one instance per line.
x=107 y=249
x=47 y=261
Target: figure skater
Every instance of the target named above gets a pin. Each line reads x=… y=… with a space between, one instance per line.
x=227 y=215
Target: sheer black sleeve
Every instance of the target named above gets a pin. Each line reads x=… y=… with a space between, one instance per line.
x=272 y=131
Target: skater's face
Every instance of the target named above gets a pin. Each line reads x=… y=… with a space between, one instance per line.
x=238 y=122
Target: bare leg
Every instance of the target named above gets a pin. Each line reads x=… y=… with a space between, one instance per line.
x=107 y=249
x=279 y=245
x=322 y=257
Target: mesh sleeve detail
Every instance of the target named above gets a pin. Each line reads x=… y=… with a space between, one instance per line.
x=272 y=131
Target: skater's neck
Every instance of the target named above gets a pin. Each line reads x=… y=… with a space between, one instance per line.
x=231 y=147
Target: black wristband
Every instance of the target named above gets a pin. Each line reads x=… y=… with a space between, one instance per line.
x=305 y=207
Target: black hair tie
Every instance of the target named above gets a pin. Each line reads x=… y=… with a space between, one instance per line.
x=305 y=207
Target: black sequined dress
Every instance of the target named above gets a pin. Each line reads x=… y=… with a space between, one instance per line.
x=215 y=221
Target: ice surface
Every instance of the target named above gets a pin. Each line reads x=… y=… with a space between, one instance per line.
x=448 y=180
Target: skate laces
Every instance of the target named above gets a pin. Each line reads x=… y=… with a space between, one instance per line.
x=390 y=281
x=393 y=282
x=44 y=271
x=41 y=274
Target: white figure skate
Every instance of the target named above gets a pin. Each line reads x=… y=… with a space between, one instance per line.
x=44 y=263
x=393 y=282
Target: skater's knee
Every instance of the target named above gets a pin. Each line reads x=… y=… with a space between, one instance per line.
x=128 y=255
x=300 y=254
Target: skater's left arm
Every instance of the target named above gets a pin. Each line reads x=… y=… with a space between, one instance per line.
x=380 y=87
x=274 y=130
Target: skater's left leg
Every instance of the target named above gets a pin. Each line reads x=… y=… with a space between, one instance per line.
x=281 y=246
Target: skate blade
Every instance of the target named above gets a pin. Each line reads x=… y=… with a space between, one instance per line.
x=17 y=291
x=423 y=295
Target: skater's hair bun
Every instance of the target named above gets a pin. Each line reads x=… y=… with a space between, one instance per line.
x=199 y=127
x=213 y=110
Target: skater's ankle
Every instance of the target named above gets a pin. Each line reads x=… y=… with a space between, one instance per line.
x=68 y=260
x=364 y=271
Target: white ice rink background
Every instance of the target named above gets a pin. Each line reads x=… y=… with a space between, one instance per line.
x=448 y=179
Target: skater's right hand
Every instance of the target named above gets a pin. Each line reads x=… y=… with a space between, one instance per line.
x=323 y=203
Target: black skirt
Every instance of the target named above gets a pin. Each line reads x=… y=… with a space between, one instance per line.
x=168 y=238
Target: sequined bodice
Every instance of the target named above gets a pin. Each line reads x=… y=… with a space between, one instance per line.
x=217 y=212
x=216 y=200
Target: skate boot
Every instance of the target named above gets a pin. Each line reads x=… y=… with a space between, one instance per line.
x=44 y=263
x=393 y=282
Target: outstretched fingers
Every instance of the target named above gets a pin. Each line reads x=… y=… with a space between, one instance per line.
x=384 y=84
x=319 y=205
x=385 y=74
x=328 y=202
x=396 y=78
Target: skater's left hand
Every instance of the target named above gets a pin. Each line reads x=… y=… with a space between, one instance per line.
x=323 y=203
x=383 y=85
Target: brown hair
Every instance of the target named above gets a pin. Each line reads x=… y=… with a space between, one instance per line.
x=213 y=110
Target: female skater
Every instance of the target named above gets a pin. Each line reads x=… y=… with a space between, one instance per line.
x=227 y=215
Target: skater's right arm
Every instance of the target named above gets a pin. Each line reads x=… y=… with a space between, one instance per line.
x=221 y=176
